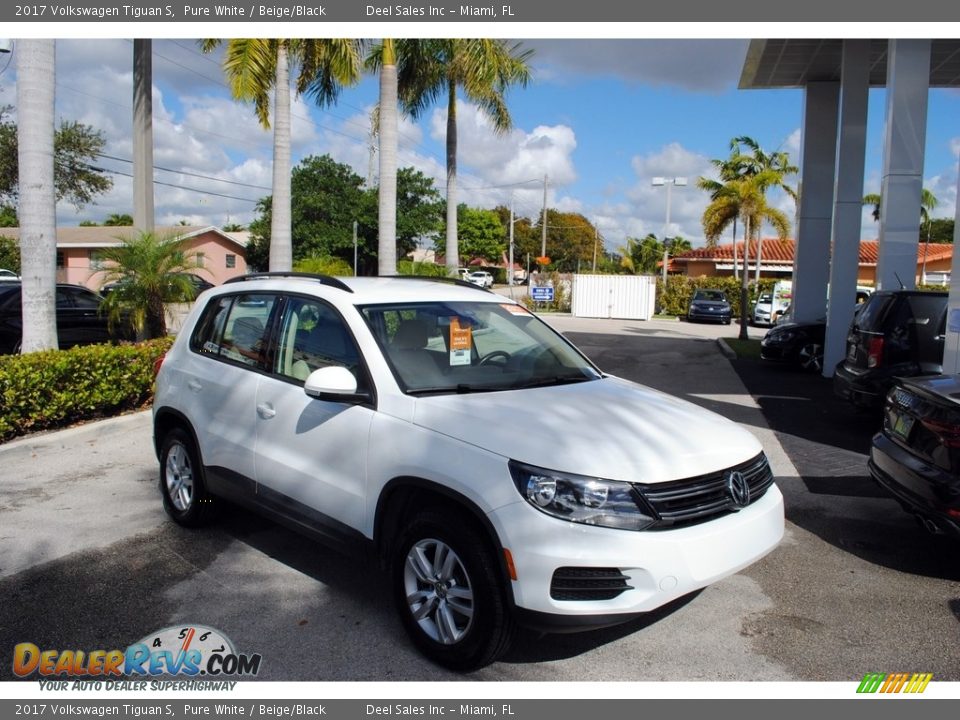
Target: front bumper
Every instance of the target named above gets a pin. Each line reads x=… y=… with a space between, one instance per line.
x=709 y=315
x=661 y=566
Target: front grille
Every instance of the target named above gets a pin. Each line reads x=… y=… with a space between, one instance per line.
x=585 y=583
x=695 y=500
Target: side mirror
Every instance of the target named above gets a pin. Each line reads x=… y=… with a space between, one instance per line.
x=332 y=383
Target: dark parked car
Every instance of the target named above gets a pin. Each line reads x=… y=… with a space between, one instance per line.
x=799 y=344
x=79 y=321
x=898 y=333
x=916 y=456
x=709 y=305
x=199 y=285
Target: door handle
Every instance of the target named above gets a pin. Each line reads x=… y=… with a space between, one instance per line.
x=266 y=411
x=194 y=385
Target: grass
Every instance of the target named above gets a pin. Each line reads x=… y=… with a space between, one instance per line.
x=745 y=349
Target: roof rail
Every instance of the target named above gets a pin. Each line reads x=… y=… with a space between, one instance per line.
x=322 y=279
x=435 y=278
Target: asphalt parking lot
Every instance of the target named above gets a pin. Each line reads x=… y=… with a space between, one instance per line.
x=89 y=560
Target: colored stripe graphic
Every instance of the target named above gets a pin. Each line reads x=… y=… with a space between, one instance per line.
x=895 y=682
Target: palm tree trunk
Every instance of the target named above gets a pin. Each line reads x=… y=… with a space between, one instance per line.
x=281 y=243
x=744 y=279
x=453 y=251
x=387 y=219
x=143 y=134
x=37 y=211
x=736 y=274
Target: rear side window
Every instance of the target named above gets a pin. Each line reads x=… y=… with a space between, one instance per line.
x=236 y=328
x=870 y=318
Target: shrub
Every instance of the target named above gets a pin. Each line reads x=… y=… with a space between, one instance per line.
x=54 y=388
x=421 y=269
x=680 y=289
x=324 y=265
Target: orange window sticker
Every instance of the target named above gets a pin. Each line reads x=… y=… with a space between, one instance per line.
x=460 y=342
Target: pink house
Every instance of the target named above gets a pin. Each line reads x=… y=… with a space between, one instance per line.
x=222 y=254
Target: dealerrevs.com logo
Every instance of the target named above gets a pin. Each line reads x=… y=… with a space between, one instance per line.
x=181 y=650
x=911 y=683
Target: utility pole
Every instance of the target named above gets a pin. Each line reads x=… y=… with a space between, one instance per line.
x=596 y=236
x=543 y=240
x=510 y=264
x=354 y=248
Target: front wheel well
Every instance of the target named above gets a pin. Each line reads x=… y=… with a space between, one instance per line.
x=405 y=497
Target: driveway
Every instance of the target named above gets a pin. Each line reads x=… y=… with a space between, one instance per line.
x=89 y=560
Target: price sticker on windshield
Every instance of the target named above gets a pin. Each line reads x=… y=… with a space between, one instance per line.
x=461 y=340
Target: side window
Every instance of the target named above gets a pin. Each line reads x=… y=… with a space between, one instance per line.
x=313 y=336
x=63 y=298
x=84 y=300
x=235 y=328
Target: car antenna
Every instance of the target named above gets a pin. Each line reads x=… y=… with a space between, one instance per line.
x=902 y=286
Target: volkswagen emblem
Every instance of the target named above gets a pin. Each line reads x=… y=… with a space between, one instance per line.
x=738 y=488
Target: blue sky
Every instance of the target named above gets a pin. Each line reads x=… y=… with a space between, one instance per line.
x=601 y=118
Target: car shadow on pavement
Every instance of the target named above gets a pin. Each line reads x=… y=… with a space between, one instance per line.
x=834 y=497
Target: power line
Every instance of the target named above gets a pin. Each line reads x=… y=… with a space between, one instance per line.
x=177 y=187
x=191 y=174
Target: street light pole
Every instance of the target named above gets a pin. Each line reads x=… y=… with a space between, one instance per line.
x=669 y=182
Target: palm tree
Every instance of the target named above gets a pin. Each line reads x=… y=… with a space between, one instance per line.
x=37 y=210
x=149 y=271
x=387 y=132
x=777 y=163
x=118 y=220
x=730 y=169
x=928 y=202
x=254 y=67
x=484 y=69
x=744 y=199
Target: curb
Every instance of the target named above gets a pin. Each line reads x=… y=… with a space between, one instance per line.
x=62 y=435
x=726 y=349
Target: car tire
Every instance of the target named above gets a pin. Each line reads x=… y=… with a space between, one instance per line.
x=182 y=483
x=450 y=591
x=810 y=357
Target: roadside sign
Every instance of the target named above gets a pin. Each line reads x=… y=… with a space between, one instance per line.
x=542 y=293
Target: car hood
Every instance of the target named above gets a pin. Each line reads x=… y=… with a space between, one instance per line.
x=608 y=428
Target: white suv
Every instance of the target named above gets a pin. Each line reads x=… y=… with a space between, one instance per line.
x=481 y=278
x=502 y=478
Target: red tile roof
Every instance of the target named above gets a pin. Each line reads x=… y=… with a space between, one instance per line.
x=782 y=251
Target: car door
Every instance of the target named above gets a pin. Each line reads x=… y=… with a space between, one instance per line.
x=220 y=376
x=79 y=320
x=310 y=453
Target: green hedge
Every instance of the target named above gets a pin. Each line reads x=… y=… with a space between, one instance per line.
x=54 y=388
x=680 y=289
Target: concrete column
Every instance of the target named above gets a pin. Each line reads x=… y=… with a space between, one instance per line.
x=951 y=346
x=908 y=82
x=818 y=151
x=847 y=199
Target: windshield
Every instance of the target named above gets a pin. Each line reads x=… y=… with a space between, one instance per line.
x=460 y=347
x=711 y=295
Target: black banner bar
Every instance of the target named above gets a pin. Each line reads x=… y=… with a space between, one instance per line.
x=511 y=11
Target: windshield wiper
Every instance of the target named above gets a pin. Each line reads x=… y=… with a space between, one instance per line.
x=550 y=381
x=461 y=389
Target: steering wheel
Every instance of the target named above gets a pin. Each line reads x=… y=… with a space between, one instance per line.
x=495 y=355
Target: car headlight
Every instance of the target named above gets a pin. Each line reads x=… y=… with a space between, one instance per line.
x=581 y=499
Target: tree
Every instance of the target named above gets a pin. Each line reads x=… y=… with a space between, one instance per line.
x=941 y=230
x=118 y=220
x=327 y=197
x=9 y=254
x=387 y=132
x=233 y=227
x=149 y=271
x=254 y=67
x=730 y=169
x=8 y=216
x=570 y=240
x=35 y=162
x=744 y=199
x=484 y=69
x=481 y=235
x=642 y=257
x=75 y=145
x=928 y=201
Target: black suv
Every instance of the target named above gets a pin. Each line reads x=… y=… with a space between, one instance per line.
x=897 y=334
